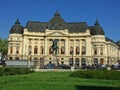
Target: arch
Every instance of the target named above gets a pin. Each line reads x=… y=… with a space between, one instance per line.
x=71 y=49
x=101 y=60
x=35 y=50
x=41 y=50
x=29 y=49
x=50 y=50
x=62 y=50
x=101 y=50
x=77 y=50
x=95 y=51
x=83 y=62
x=95 y=61
x=83 y=50
x=76 y=62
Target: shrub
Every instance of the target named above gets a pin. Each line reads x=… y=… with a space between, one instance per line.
x=97 y=74
x=4 y=71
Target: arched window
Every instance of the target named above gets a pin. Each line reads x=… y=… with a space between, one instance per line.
x=29 y=49
x=95 y=51
x=35 y=50
x=50 y=50
x=17 y=50
x=95 y=61
x=83 y=62
x=83 y=50
x=101 y=50
x=41 y=50
x=62 y=50
x=71 y=50
x=77 y=50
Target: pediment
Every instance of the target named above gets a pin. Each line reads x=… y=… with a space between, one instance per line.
x=56 y=34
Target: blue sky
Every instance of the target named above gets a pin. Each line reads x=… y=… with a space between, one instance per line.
x=106 y=11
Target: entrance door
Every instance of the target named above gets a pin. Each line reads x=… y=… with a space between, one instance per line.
x=83 y=62
x=95 y=61
x=102 y=61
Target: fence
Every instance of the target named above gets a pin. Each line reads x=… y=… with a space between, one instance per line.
x=20 y=63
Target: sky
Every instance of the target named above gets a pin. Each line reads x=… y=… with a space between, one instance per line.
x=107 y=12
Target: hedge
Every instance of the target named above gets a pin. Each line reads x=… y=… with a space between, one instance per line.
x=97 y=74
x=4 y=71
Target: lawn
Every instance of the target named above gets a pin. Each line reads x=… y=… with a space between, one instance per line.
x=55 y=81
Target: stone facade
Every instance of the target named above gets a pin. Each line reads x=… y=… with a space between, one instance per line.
x=78 y=43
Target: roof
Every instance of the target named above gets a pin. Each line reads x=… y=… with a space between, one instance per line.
x=16 y=28
x=96 y=29
x=58 y=23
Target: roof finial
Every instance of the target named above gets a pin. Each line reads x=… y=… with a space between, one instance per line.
x=17 y=21
x=96 y=23
x=57 y=13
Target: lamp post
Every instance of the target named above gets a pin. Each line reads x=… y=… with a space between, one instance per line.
x=28 y=61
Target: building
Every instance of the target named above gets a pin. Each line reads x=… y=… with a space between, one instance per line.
x=78 y=43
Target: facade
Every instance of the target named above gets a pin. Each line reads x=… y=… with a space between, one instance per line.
x=78 y=44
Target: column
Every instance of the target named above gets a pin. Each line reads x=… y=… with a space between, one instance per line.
x=66 y=47
x=45 y=46
x=74 y=47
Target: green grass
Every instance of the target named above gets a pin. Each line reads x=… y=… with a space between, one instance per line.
x=54 y=81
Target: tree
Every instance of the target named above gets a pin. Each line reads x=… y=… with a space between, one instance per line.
x=3 y=46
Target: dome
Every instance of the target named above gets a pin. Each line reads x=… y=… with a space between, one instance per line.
x=17 y=28
x=118 y=43
x=97 y=29
x=57 y=22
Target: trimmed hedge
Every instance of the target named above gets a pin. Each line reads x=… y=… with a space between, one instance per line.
x=4 y=71
x=97 y=74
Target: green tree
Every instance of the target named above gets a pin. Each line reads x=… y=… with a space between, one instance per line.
x=3 y=45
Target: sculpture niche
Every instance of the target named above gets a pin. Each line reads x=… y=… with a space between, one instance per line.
x=55 y=47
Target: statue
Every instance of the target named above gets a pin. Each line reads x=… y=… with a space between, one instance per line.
x=54 y=47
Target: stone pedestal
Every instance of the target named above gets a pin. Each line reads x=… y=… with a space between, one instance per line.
x=108 y=68
x=72 y=68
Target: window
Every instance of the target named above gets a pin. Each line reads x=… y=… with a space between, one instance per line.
x=101 y=50
x=35 y=50
x=62 y=50
x=71 y=50
x=71 y=61
x=83 y=62
x=95 y=51
x=83 y=50
x=50 y=50
x=76 y=61
x=77 y=50
x=29 y=49
x=95 y=61
x=41 y=50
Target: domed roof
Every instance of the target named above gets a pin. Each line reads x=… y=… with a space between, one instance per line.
x=97 y=29
x=16 y=28
x=118 y=43
x=57 y=22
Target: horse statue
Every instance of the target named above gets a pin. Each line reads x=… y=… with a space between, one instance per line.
x=54 y=47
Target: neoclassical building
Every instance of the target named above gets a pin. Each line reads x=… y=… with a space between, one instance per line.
x=78 y=44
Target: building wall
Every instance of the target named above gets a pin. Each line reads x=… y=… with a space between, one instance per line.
x=86 y=49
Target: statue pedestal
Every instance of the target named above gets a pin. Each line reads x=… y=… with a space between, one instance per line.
x=72 y=68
